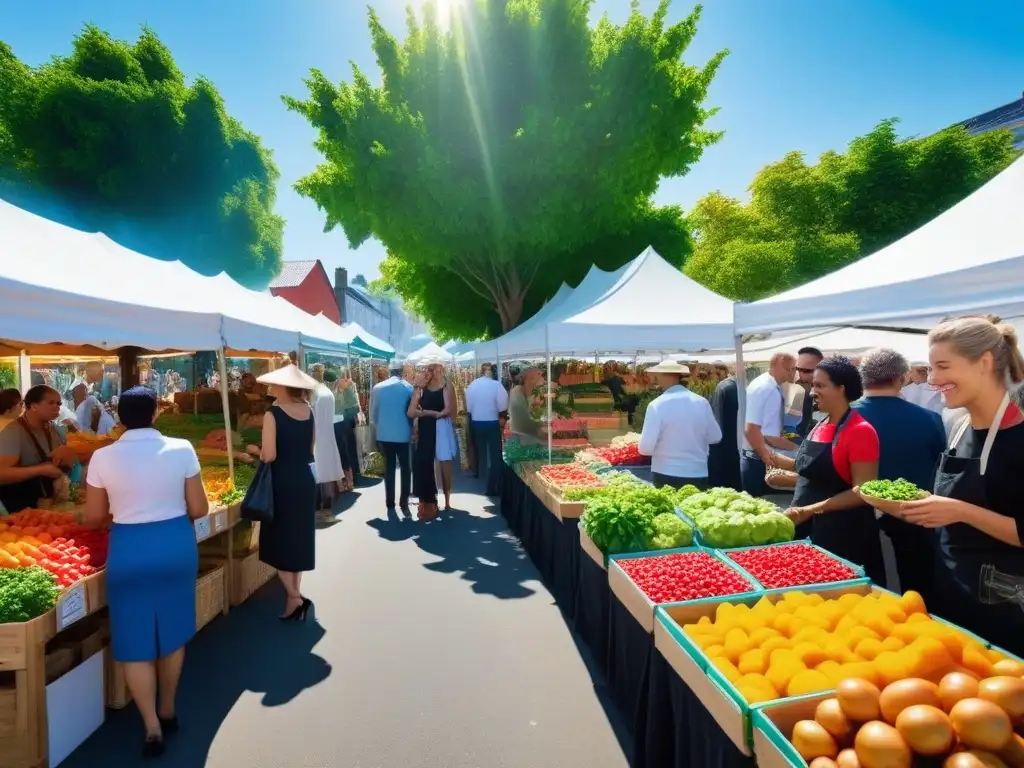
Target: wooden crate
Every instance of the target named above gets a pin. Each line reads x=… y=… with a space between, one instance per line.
x=209 y=594
x=24 y=739
x=551 y=496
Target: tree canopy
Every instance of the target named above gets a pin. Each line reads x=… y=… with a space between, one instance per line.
x=112 y=138
x=804 y=221
x=496 y=154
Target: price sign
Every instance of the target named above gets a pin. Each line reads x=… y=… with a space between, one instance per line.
x=203 y=528
x=72 y=606
x=220 y=521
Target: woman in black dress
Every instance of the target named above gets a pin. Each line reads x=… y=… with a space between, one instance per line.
x=425 y=406
x=288 y=542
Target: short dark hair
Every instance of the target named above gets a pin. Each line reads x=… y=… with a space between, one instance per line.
x=843 y=373
x=38 y=393
x=137 y=407
x=810 y=351
x=8 y=399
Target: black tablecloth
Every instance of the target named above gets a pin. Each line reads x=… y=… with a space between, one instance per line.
x=669 y=725
x=590 y=620
x=552 y=544
x=629 y=656
x=680 y=732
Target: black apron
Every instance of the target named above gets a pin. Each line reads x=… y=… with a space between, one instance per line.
x=963 y=550
x=852 y=534
x=26 y=494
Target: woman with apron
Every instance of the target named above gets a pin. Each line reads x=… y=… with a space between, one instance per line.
x=32 y=452
x=840 y=452
x=976 y=502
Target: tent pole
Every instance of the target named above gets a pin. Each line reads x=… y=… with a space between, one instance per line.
x=741 y=397
x=547 y=353
x=225 y=403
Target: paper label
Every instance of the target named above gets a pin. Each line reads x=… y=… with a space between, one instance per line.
x=203 y=528
x=220 y=521
x=72 y=606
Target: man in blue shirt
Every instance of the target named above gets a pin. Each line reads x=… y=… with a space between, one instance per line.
x=912 y=438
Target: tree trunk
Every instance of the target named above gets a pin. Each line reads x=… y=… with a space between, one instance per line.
x=510 y=310
x=502 y=286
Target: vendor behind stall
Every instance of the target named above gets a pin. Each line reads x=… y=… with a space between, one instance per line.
x=522 y=425
x=976 y=500
x=90 y=415
x=679 y=429
x=841 y=452
x=32 y=452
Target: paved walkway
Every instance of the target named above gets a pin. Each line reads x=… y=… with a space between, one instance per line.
x=436 y=646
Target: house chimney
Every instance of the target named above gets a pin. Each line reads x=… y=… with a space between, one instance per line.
x=340 y=291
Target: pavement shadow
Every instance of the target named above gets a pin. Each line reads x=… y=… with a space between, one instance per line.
x=248 y=651
x=328 y=518
x=477 y=547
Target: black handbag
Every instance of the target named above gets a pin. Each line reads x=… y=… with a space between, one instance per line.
x=258 y=504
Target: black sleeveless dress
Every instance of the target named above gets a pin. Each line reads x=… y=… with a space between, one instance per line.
x=426 y=447
x=288 y=543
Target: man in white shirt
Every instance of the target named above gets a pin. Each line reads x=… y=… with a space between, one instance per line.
x=679 y=430
x=762 y=429
x=485 y=399
x=919 y=392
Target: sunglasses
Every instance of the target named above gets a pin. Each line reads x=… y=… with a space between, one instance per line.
x=805 y=370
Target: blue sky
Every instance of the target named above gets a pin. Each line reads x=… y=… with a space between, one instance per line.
x=802 y=74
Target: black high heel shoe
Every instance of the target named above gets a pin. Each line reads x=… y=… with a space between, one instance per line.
x=153 y=747
x=169 y=725
x=299 y=614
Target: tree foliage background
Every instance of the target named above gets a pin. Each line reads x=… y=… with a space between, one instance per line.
x=505 y=155
x=112 y=138
x=804 y=221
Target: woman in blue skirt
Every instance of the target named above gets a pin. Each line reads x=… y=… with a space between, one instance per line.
x=149 y=486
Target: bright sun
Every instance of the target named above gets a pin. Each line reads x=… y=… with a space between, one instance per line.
x=446 y=10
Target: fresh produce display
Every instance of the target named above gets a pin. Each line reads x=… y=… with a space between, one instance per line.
x=53 y=541
x=683 y=576
x=569 y=476
x=792 y=565
x=624 y=455
x=623 y=520
x=670 y=532
x=26 y=593
x=566 y=429
x=803 y=643
x=517 y=453
x=908 y=723
x=616 y=482
x=893 y=490
x=221 y=488
x=729 y=518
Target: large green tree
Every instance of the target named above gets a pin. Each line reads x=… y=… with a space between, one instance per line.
x=113 y=138
x=494 y=152
x=437 y=293
x=804 y=221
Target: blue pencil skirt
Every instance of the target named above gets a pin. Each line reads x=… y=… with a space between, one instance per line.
x=151 y=588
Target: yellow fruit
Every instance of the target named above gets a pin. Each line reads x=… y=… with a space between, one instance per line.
x=810 y=654
x=753 y=694
x=891 y=666
x=868 y=648
x=714 y=651
x=912 y=603
x=808 y=681
x=761 y=634
x=893 y=644
x=976 y=660
x=727 y=668
x=753 y=661
x=736 y=644
x=775 y=643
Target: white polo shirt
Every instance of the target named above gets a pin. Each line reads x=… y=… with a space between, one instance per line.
x=485 y=399
x=144 y=475
x=764 y=407
x=679 y=429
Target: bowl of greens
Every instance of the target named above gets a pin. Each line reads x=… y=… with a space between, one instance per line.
x=889 y=495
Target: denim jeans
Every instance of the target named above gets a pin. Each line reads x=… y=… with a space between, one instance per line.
x=752 y=471
x=487 y=437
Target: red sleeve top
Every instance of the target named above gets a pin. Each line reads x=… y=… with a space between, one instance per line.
x=858 y=442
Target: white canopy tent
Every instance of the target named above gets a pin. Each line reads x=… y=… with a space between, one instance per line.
x=428 y=351
x=831 y=341
x=493 y=349
x=58 y=284
x=969 y=259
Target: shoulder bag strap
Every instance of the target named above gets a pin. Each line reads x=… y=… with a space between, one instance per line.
x=44 y=456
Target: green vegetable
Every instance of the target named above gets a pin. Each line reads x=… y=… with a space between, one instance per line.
x=727 y=518
x=893 y=490
x=516 y=453
x=616 y=528
x=670 y=532
x=26 y=593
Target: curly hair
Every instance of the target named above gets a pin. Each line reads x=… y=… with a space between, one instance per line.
x=843 y=373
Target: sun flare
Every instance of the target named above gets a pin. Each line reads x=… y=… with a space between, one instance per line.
x=444 y=10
